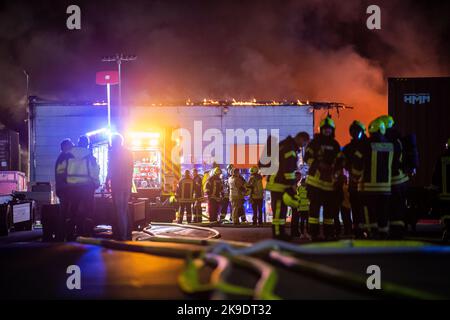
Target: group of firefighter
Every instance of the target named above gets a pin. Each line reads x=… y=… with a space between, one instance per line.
x=221 y=191
x=364 y=183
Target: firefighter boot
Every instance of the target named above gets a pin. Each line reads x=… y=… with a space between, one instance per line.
x=329 y=232
x=294 y=224
x=314 y=230
x=279 y=233
x=359 y=233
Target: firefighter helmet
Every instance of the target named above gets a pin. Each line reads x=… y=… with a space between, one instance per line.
x=357 y=129
x=216 y=171
x=388 y=121
x=377 y=125
x=327 y=122
x=230 y=169
x=254 y=169
x=187 y=173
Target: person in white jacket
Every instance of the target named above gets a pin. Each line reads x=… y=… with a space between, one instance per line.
x=237 y=193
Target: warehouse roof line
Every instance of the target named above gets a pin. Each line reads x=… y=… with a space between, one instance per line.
x=205 y=103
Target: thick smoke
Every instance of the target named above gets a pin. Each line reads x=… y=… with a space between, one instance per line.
x=313 y=50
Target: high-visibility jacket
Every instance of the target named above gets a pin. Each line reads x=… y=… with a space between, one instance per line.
x=255 y=186
x=284 y=178
x=185 y=190
x=398 y=175
x=350 y=156
x=302 y=196
x=374 y=165
x=205 y=180
x=214 y=187
x=80 y=168
x=322 y=157
x=441 y=176
x=60 y=174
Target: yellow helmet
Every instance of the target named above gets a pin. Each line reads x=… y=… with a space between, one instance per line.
x=217 y=171
x=388 y=121
x=327 y=122
x=377 y=125
x=254 y=169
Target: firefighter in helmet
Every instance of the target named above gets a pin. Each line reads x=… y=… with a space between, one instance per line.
x=185 y=197
x=350 y=152
x=198 y=196
x=255 y=187
x=282 y=183
x=322 y=157
x=373 y=163
x=399 y=182
x=213 y=190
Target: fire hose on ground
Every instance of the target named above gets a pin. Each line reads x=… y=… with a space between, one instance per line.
x=333 y=275
x=222 y=253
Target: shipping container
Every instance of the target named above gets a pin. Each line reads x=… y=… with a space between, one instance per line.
x=422 y=106
x=9 y=150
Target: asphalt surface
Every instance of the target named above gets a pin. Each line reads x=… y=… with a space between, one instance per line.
x=31 y=269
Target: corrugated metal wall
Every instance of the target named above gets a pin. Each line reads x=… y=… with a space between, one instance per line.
x=54 y=123
x=429 y=120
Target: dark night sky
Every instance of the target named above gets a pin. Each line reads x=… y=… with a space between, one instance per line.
x=313 y=49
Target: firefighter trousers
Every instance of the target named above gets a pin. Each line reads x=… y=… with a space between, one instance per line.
x=257 y=208
x=357 y=212
x=197 y=209
x=213 y=209
x=279 y=211
x=295 y=223
x=346 y=220
x=225 y=203
x=319 y=198
x=376 y=215
x=397 y=210
x=236 y=210
x=185 y=206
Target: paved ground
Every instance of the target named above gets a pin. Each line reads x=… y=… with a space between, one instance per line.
x=32 y=269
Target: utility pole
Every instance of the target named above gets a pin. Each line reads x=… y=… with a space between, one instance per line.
x=30 y=145
x=119 y=58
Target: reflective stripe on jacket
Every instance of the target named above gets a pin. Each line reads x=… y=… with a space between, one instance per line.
x=185 y=190
x=321 y=155
x=80 y=168
x=284 y=178
x=303 y=198
x=213 y=187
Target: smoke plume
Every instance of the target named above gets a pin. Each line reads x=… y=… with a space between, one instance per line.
x=313 y=50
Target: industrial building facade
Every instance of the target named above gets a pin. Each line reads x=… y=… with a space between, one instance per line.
x=157 y=125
